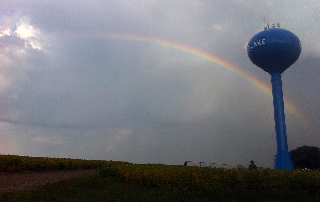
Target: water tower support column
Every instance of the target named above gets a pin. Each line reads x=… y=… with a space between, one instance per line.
x=283 y=159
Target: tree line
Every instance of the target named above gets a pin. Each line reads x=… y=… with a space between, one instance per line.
x=306 y=157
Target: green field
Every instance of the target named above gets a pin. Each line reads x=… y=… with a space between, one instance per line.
x=121 y=181
x=14 y=163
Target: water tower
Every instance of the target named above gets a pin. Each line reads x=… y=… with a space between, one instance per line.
x=274 y=50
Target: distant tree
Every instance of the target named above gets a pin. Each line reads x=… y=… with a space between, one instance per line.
x=306 y=157
x=252 y=165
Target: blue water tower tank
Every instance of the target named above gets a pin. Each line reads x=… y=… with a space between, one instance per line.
x=274 y=50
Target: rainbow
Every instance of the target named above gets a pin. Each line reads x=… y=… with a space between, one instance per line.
x=207 y=56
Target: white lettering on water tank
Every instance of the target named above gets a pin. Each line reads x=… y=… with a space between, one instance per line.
x=257 y=43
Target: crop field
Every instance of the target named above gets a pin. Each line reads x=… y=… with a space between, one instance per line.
x=221 y=183
x=14 y=163
x=158 y=182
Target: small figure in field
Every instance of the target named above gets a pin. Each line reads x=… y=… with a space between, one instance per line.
x=252 y=165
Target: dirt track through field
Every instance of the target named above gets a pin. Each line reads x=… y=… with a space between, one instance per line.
x=29 y=180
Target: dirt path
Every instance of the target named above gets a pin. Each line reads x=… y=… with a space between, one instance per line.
x=28 y=180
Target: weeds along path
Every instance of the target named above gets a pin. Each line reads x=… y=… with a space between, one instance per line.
x=29 y=180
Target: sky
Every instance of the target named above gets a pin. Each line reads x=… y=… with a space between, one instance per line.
x=152 y=81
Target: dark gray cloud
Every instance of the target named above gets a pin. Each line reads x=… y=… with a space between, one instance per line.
x=67 y=91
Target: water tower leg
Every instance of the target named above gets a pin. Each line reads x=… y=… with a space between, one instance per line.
x=283 y=159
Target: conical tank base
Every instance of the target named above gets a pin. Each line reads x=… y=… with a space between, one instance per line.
x=283 y=160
